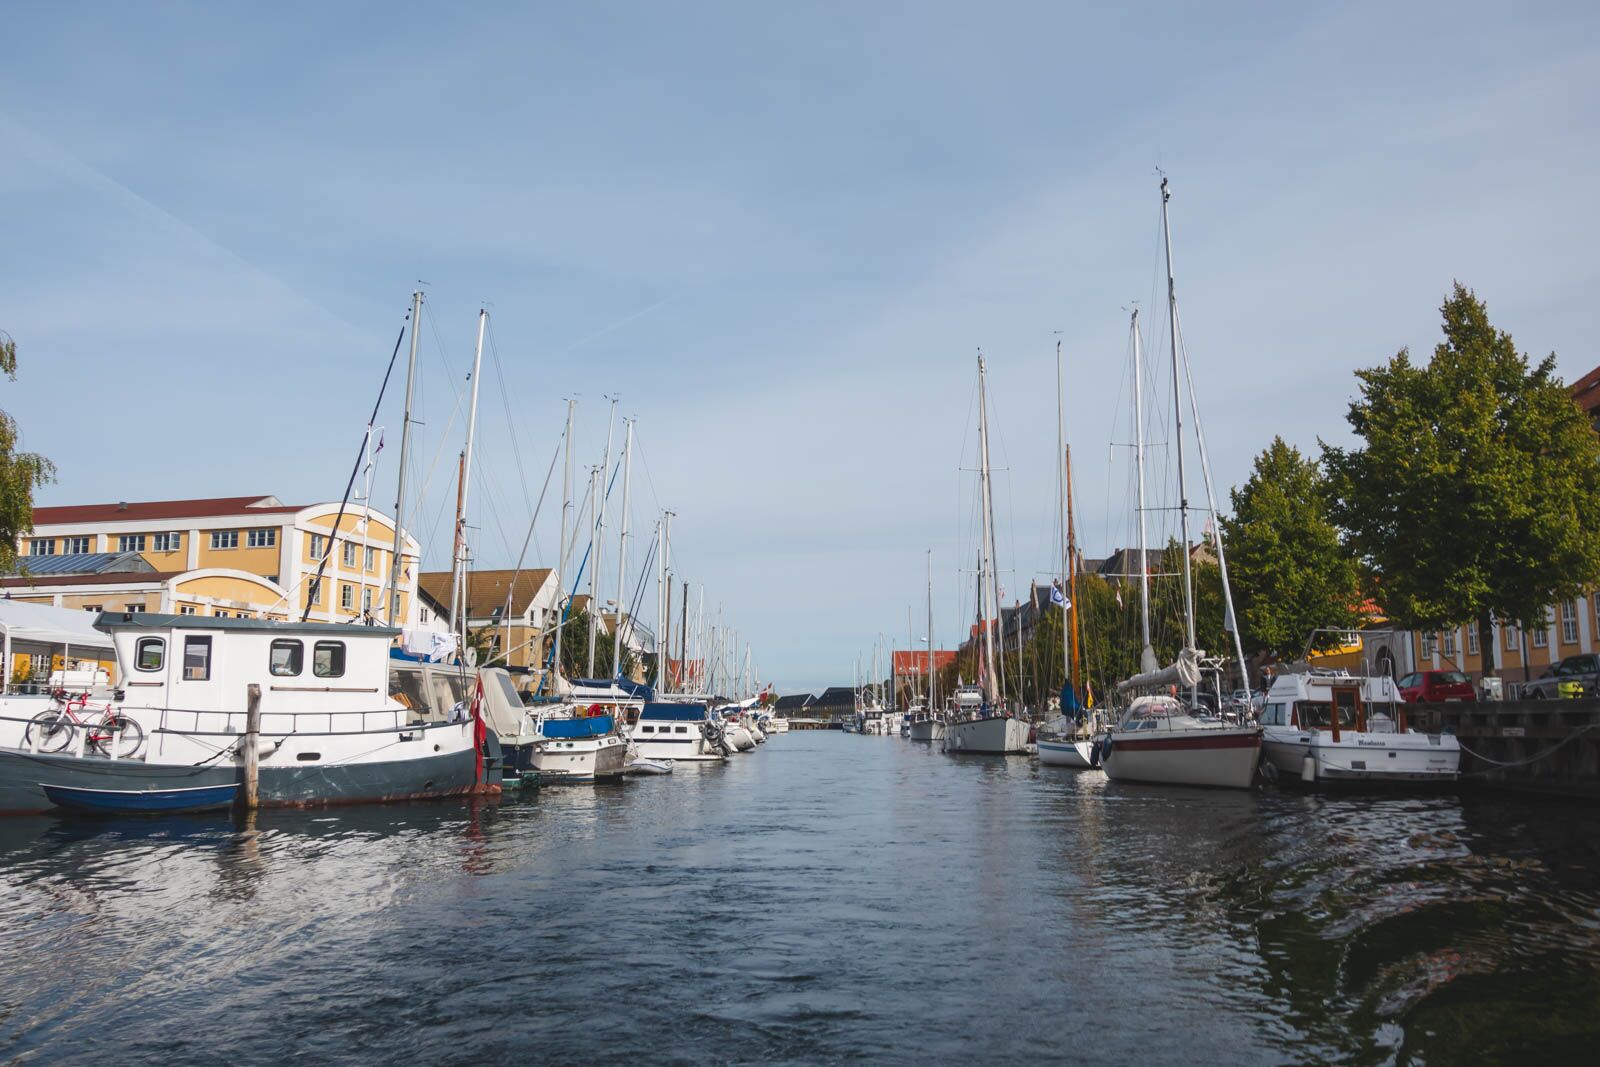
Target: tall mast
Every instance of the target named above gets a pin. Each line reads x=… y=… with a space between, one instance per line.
x=1072 y=579
x=622 y=546
x=663 y=605
x=1147 y=653
x=930 y=703
x=457 y=581
x=987 y=584
x=596 y=545
x=400 y=482
x=596 y=481
x=561 y=552
x=683 y=642
x=1063 y=504
x=911 y=646
x=1177 y=415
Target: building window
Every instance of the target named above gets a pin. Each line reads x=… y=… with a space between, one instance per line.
x=347 y=597
x=196 y=659
x=75 y=546
x=1511 y=637
x=286 y=658
x=1472 y=640
x=42 y=546
x=149 y=653
x=186 y=609
x=133 y=607
x=369 y=559
x=263 y=538
x=314 y=593
x=1541 y=637
x=224 y=538
x=366 y=601
x=166 y=542
x=422 y=615
x=327 y=659
x=349 y=554
x=1449 y=643
x=218 y=614
x=319 y=546
x=130 y=543
x=1429 y=642
x=1569 y=622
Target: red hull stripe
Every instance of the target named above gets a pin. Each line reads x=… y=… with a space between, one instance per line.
x=1180 y=744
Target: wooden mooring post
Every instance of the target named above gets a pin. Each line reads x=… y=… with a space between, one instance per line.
x=252 y=749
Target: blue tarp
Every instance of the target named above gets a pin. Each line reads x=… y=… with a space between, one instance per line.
x=673 y=712
x=568 y=729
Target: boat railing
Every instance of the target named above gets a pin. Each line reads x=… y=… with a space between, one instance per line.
x=203 y=722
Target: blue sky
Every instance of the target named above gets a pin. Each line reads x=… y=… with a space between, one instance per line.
x=780 y=233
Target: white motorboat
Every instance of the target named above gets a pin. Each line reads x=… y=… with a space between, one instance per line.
x=672 y=730
x=1160 y=740
x=994 y=734
x=1067 y=741
x=1325 y=728
x=927 y=726
x=574 y=746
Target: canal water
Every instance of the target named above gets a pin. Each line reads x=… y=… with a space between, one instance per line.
x=826 y=898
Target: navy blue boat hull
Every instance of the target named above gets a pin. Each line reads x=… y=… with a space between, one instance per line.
x=140 y=801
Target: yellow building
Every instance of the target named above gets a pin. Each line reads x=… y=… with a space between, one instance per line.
x=245 y=556
x=515 y=609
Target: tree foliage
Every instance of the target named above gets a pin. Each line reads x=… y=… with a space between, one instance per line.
x=1475 y=493
x=575 y=650
x=20 y=472
x=1290 y=572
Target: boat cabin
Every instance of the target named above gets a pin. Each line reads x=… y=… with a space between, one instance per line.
x=1334 y=700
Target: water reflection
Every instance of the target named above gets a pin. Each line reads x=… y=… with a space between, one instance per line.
x=827 y=897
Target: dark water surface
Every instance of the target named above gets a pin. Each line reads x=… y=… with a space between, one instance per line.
x=826 y=898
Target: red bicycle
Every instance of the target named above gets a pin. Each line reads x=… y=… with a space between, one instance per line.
x=56 y=728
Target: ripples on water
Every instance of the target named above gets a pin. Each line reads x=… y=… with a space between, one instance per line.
x=826 y=898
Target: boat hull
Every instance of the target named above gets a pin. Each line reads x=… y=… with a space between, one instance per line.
x=927 y=730
x=141 y=801
x=1079 y=754
x=1361 y=759
x=1224 y=758
x=23 y=776
x=992 y=737
x=579 y=759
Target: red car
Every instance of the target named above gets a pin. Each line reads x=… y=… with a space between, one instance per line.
x=1435 y=687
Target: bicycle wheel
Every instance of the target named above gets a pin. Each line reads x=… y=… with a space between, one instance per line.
x=119 y=730
x=51 y=728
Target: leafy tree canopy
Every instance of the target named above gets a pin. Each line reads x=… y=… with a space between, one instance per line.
x=1475 y=492
x=1290 y=573
x=20 y=472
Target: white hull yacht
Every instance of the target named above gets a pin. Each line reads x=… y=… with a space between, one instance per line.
x=1331 y=728
x=997 y=735
x=1160 y=740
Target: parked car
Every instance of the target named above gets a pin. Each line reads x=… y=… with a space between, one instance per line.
x=1573 y=676
x=1435 y=687
x=1245 y=700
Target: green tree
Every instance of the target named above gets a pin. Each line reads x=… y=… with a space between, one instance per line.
x=1475 y=494
x=1289 y=570
x=575 y=650
x=20 y=472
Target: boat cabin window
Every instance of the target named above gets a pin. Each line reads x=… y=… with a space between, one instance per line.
x=649 y=729
x=196 y=659
x=1275 y=715
x=508 y=690
x=150 y=653
x=286 y=658
x=405 y=689
x=1319 y=713
x=683 y=729
x=327 y=659
x=449 y=690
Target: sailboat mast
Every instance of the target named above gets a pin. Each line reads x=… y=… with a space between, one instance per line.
x=561 y=553
x=930 y=704
x=457 y=580
x=622 y=546
x=1177 y=414
x=1072 y=578
x=987 y=585
x=596 y=545
x=1147 y=655
x=664 y=618
x=400 y=482
x=1063 y=498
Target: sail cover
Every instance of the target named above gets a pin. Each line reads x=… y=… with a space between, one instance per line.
x=1184 y=672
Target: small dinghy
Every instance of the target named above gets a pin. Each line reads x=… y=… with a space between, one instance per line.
x=140 y=801
x=649 y=766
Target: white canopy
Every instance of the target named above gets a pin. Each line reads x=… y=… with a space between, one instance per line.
x=50 y=625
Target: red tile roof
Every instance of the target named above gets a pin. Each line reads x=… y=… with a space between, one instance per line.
x=137 y=511
x=916 y=662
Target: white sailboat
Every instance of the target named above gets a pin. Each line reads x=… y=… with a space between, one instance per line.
x=927 y=724
x=1160 y=738
x=990 y=730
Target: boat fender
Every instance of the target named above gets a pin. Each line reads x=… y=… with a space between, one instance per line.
x=1308 y=769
